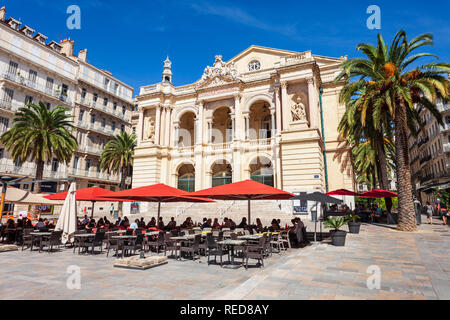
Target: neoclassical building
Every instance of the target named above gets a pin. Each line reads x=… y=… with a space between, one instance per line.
x=262 y=115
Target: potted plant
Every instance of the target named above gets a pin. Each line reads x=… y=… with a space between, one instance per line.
x=353 y=225
x=337 y=236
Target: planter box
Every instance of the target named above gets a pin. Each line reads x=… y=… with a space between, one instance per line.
x=338 y=238
x=136 y=262
x=354 y=227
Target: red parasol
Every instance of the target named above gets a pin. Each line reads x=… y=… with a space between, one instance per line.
x=244 y=190
x=155 y=193
x=93 y=194
x=379 y=193
x=342 y=192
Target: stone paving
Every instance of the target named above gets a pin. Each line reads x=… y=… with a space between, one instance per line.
x=413 y=266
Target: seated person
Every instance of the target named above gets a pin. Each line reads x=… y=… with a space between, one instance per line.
x=40 y=224
x=86 y=220
x=141 y=223
x=186 y=223
x=259 y=226
x=161 y=224
x=243 y=223
x=207 y=224
x=172 y=224
x=215 y=224
x=134 y=225
x=151 y=223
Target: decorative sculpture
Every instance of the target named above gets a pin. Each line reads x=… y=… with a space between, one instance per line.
x=151 y=129
x=298 y=110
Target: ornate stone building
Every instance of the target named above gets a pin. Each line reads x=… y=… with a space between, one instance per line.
x=262 y=115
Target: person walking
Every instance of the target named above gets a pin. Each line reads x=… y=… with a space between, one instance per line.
x=429 y=212
x=111 y=209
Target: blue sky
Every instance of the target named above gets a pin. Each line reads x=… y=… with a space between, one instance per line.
x=131 y=38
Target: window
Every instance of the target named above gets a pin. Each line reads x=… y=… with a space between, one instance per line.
x=4 y=124
x=255 y=65
x=55 y=165
x=12 y=70
x=28 y=99
x=8 y=95
x=105 y=102
x=49 y=84
x=116 y=88
x=2 y=151
x=83 y=93
x=88 y=164
x=81 y=115
x=115 y=106
x=92 y=118
x=75 y=162
x=32 y=76
x=122 y=128
x=124 y=110
x=103 y=122
x=106 y=83
x=95 y=97
x=113 y=125
x=64 y=90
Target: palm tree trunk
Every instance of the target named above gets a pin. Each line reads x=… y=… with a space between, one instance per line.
x=123 y=177
x=406 y=214
x=383 y=175
x=39 y=174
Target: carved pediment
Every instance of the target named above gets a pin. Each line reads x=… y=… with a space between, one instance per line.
x=218 y=75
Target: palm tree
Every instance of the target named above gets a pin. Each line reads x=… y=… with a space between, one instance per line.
x=118 y=157
x=392 y=89
x=38 y=134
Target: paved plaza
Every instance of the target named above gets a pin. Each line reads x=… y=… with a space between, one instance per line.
x=413 y=266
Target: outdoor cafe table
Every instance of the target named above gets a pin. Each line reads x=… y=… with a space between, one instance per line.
x=38 y=235
x=231 y=244
x=82 y=237
x=250 y=237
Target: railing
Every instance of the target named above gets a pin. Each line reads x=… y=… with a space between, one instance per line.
x=422 y=142
x=11 y=105
x=36 y=86
x=101 y=107
x=425 y=159
x=186 y=150
x=447 y=147
x=221 y=146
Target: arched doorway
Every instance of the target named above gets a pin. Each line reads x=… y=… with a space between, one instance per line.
x=261 y=170
x=222 y=126
x=186 y=178
x=221 y=173
x=260 y=121
x=186 y=131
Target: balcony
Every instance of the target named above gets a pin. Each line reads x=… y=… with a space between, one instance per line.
x=447 y=147
x=55 y=94
x=102 y=108
x=12 y=106
x=422 y=141
x=446 y=127
x=89 y=149
x=425 y=159
x=93 y=174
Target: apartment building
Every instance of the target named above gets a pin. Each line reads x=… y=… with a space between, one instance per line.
x=430 y=154
x=33 y=69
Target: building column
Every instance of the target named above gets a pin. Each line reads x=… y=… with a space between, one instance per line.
x=247 y=124
x=238 y=132
x=162 y=128
x=273 y=123
x=210 y=127
x=284 y=103
x=140 y=128
x=278 y=110
x=199 y=124
x=176 y=137
x=313 y=106
x=168 y=127
x=157 y=124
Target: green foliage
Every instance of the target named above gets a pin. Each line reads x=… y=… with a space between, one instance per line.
x=352 y=217
x=381 y=203
x=444 y=195
x=335 y=223
x=118 y=154
x=39 y=134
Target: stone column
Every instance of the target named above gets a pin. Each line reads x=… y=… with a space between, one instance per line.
x=168 y=127
x=157 y=124
x=199 y=124
x=140 y=128
x=273 y=124
x=210 y=127
x=247 y=125
x=176 y=136
x=285 y=105
x=278 y=110
x=162 y=128
x=313 y=104
x=238 y=131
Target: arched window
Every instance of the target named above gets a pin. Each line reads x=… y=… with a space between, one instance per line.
x=187 y=182
x=221 y=178
x=254 y=65
x=266 y=128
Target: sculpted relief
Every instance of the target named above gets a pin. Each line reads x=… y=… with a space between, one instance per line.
x=298 y=110
x=219 y=73
x=151 y=130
